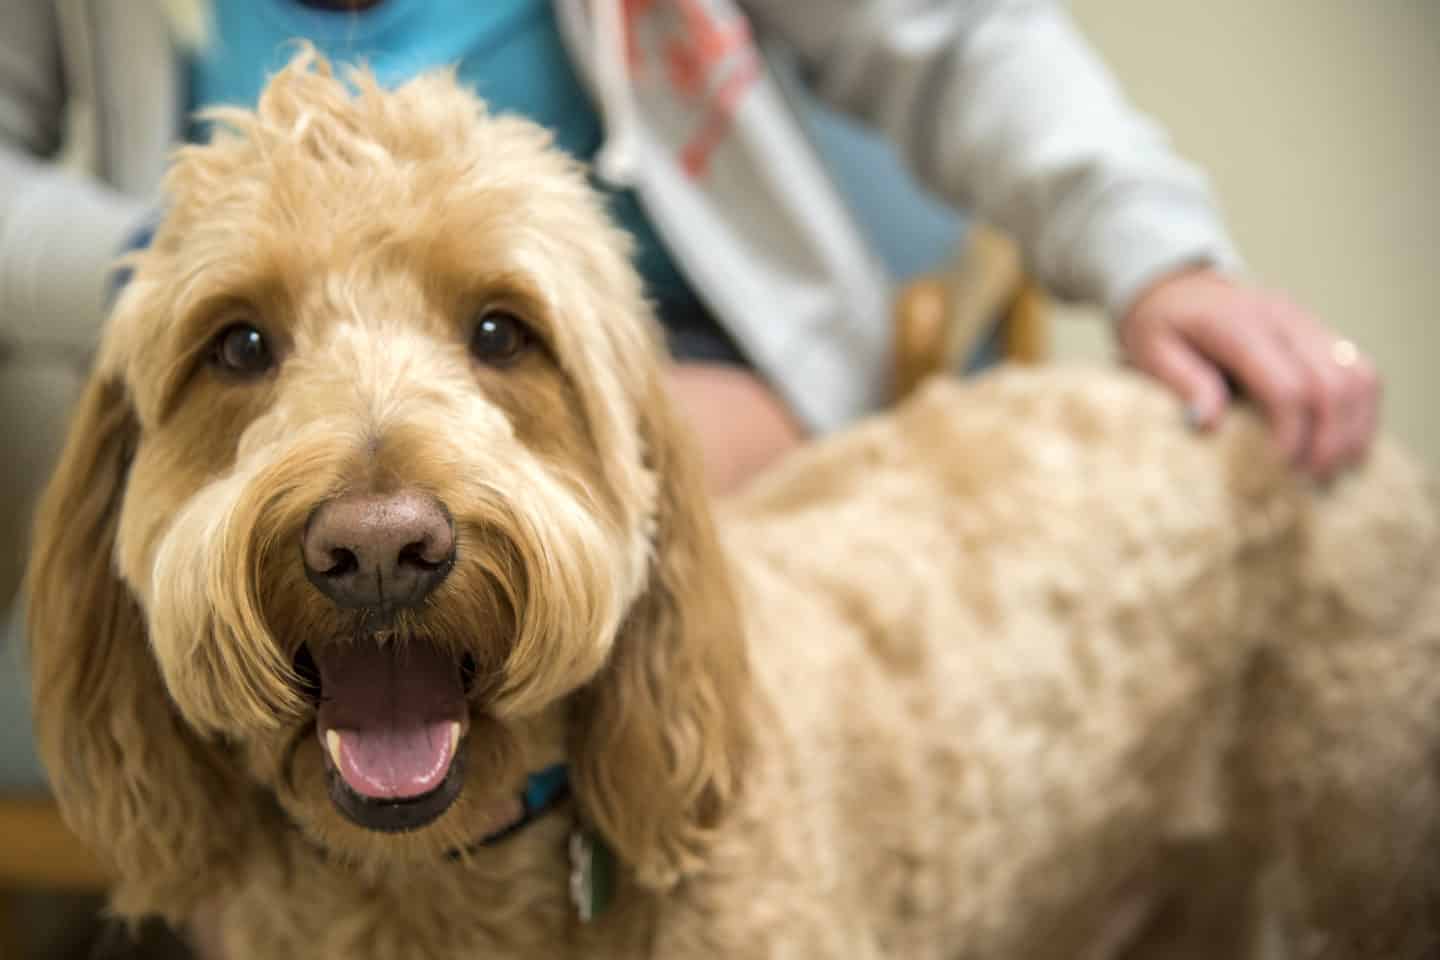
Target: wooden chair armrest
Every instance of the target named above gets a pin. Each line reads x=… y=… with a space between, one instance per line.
x=40 y=852
x=941 y=318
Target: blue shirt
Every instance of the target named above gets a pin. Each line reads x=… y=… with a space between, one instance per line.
x=508 y=51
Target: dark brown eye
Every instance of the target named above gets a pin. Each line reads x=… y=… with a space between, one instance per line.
x=241 y=350
x=499 y=337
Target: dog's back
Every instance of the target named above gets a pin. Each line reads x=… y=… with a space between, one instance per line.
x=1040 y=661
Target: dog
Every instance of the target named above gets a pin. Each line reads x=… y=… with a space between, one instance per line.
x=378 y=610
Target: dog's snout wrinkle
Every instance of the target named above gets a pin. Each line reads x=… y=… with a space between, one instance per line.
x=382 y=551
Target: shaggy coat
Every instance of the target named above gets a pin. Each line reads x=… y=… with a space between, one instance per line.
x=1020 y=670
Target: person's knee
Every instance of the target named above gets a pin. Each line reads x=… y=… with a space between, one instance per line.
x=742 y=424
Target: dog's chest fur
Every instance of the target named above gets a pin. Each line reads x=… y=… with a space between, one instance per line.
x=512 y=901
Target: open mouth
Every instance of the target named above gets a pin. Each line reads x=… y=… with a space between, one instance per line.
x=392 y=721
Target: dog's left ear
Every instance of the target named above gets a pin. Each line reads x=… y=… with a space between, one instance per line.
x=662 y=734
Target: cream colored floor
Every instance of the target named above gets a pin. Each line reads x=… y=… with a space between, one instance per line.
x=1319 y=121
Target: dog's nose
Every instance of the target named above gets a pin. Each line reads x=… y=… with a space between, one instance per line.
x=384 y=551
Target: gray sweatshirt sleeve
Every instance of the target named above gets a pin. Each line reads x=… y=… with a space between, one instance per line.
x=59 y=230
x=1002 y=107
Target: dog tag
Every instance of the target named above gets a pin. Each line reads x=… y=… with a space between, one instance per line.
x=591 y=873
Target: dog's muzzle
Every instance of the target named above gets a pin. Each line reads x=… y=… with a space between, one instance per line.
x=393 y=711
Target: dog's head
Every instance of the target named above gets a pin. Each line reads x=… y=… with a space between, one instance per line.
x=376 y=484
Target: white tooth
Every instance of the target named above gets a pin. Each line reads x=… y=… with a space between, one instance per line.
x=454 y=737
x=332 y=740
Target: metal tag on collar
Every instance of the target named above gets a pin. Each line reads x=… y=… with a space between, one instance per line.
x=592 y=873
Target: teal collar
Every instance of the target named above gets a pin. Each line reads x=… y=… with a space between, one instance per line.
x=592 y=864
x=544 y=789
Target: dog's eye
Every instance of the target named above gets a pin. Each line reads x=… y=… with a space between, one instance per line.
x=240 y=349
x=499 y=337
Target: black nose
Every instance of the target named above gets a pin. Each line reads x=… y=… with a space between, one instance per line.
x=383 y=551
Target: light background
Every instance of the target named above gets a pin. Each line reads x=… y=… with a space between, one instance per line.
x=1319 y=121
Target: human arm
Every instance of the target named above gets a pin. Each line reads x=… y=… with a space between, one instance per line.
x=1003 y=107
x=59 y=229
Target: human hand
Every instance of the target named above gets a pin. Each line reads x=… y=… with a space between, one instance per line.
x=1319 y=393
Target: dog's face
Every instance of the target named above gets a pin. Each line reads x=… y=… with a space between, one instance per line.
x=389 y=459
x=396 y=493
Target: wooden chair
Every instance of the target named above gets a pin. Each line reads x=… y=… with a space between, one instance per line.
x=38 y=853
x=941 y=319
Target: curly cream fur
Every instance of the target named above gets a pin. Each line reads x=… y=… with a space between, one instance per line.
x=1005 y=673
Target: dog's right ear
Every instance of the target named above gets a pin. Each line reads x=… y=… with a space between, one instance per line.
x=160 y=806
x=664 y=731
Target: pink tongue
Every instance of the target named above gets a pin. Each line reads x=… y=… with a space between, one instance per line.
x=393 y=707
x=396 y=763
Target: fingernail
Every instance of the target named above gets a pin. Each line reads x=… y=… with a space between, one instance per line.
x=1194 y=416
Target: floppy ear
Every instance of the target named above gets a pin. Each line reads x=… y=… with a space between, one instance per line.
x=662 y=733
x=161 y=807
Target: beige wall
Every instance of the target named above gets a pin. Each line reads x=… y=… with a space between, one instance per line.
x=1320 y=123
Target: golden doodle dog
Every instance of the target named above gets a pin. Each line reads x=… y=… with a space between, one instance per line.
x=378 y=611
